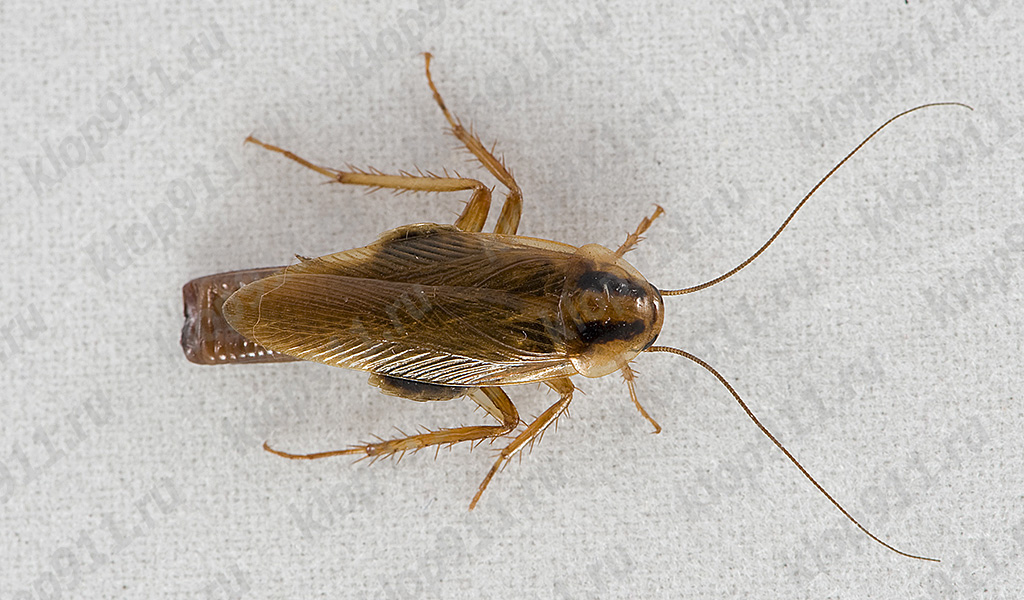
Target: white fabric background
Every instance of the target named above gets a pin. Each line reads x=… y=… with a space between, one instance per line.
x=880 y=338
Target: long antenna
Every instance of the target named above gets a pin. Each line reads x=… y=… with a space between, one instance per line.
x=785 y=223
x=775 y=441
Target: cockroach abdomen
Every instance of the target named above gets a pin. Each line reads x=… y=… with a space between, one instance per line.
x=206 y=337
x=416 y=390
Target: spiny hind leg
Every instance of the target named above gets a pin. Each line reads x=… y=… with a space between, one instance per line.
x=533 y=431
x=472 y=217
x=493 y=399
x=508 y=221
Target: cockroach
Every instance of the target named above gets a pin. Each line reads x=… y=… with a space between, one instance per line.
x=437 y=312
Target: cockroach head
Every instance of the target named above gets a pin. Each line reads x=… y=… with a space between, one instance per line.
x=611 y=313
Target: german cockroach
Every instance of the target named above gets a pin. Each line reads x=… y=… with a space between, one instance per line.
x=436 y=312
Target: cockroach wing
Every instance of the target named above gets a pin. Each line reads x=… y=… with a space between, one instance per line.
x=427 y=303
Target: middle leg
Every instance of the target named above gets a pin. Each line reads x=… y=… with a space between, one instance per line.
x=533 y=431
x=508 y=221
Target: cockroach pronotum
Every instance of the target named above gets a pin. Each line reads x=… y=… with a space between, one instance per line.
x=437 y=312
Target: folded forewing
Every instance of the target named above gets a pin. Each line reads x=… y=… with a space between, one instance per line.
x=439 y=306
x=441 y=334
x=432 y=254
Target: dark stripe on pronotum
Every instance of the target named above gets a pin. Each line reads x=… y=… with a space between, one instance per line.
x=602 y=281
x=593 y=332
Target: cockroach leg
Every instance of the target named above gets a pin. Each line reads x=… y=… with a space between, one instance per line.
x=485 y=398
x=472 y=217
x=635 y=238
x=508 y=221
x=497 y=400
x=565 y=388
x=630 y=378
